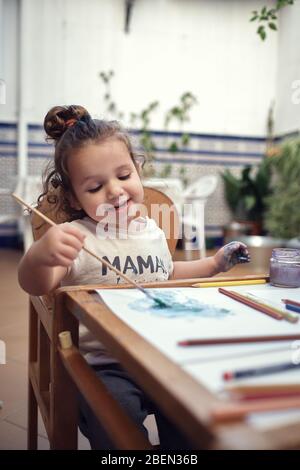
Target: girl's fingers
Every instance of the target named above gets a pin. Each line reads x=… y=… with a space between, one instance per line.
x=242 y=254
x=231 y=254
x=69 y=229
x=242 y=244
x=72 y=241
x=68 y=252
x=243 y=249
x=63 y=261
x=238 y=248
x=236 y=245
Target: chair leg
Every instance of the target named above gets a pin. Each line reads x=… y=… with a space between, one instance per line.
x=63 y=406
x=64 y=395
x=32 y=402
x=32 y=419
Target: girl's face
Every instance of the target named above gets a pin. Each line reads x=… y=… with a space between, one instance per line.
x=106 y=182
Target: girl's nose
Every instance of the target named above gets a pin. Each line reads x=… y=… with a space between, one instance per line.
x=114 y=190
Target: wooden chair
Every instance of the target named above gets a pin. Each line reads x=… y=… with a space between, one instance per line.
x=52 y=386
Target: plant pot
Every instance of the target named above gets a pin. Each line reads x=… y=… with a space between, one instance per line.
x=239 y=228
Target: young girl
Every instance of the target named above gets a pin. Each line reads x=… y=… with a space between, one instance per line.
x=97 y=179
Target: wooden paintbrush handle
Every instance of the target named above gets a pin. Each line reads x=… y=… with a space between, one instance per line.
x=103 y=261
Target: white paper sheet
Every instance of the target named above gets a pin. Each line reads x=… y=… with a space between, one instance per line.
x=165 y=333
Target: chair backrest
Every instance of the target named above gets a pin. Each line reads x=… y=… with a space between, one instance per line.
x=172 y=187
x=157 y=206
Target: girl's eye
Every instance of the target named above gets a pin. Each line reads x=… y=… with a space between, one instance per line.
x=94 y=190
x=125 y=177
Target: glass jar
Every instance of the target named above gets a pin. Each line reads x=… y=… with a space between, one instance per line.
x=285 y=267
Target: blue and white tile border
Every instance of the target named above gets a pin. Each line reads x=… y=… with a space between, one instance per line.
x=206 y=154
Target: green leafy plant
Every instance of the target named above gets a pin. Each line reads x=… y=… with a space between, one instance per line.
x=282 y=217
x=111 y=107
x=267 y=17
x=142 y=121
x=183 y=176
x=180 y=113
x=245 y=194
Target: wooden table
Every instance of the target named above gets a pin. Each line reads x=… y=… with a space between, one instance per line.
x=183 y=399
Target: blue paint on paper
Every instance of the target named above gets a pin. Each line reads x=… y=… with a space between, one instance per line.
x=179 y=306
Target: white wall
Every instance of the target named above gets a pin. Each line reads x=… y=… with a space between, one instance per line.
x=287 y=108
x=207 y=47
x=9 y=57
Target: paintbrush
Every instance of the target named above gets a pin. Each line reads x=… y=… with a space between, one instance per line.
x=157 y=300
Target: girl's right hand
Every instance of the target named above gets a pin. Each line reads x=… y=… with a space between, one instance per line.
x=60 y=245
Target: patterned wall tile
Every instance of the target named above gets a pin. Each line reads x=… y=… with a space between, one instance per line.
x=205 y=155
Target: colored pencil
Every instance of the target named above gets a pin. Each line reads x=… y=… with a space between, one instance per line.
x=237 y=340
x=251 y=303
x=291 y=302
x=223 y=412
x=260 y=371
x=246 y=391
x=230 y=283
x=270 y=396
x=293 y=308
x=287 y=316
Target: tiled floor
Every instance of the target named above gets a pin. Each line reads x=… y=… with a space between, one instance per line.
x=13 y=374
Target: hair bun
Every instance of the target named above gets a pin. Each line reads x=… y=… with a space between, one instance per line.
x=55 y=122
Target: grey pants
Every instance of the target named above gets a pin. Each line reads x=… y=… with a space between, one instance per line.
x=136 y=404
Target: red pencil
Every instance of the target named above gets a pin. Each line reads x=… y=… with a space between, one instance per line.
x=232 y=411
x=262 y=396
x=251 y=303
x=237 y=340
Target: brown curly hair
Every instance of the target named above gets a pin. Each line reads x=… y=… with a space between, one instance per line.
x=71 y=128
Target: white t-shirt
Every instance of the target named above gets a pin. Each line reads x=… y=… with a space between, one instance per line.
x=141 y=253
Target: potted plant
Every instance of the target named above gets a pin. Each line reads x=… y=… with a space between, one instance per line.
x=282 y=217
x=246 y=194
